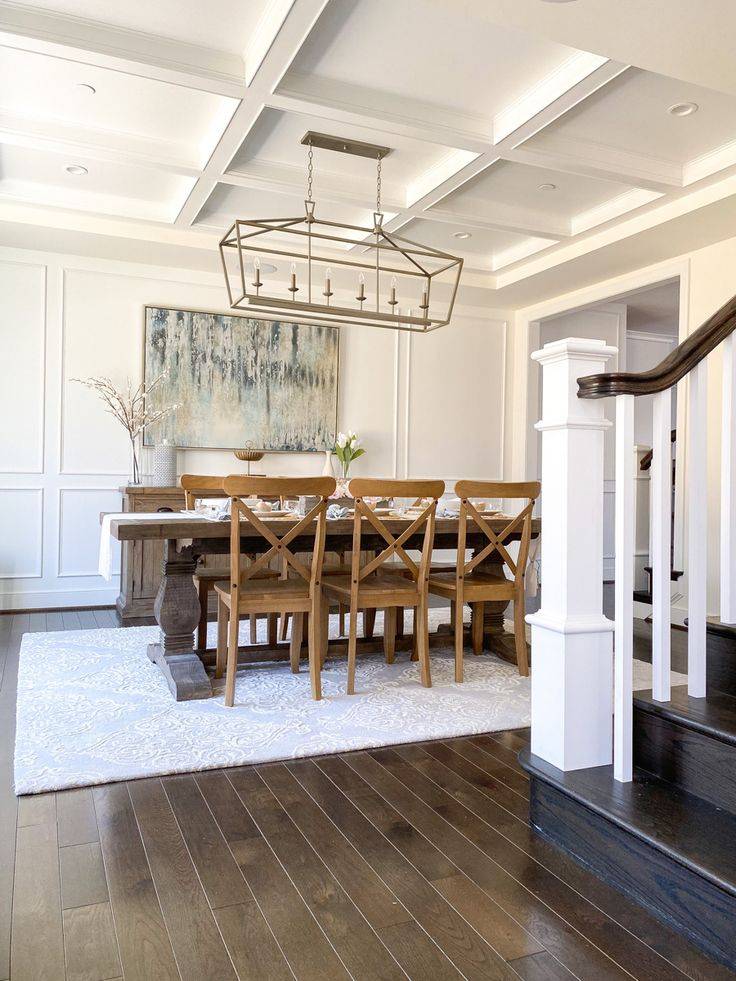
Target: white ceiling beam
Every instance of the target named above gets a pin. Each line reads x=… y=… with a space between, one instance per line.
x=133 y=52
x=499 y=216
x=75 y=142
x=265 y=33
x=294 y=31
x=599 y=161
x=280 y=178
x=355 y=105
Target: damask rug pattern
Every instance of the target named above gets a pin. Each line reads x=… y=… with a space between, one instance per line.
x=93 y=709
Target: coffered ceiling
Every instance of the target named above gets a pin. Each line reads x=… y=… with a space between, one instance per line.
x=162 y=120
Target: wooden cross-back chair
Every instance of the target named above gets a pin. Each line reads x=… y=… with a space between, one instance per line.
x=248 y=593
x=196 y=487
x=373 y=585
x=470 y=583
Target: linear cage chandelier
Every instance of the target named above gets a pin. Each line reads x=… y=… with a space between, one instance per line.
x=381 y=279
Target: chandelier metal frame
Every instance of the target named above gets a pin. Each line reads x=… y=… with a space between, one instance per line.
x=382 y=259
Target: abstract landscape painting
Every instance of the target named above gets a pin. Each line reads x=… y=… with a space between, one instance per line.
x=239 y=380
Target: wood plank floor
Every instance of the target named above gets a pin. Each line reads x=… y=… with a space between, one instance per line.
x=415 y=861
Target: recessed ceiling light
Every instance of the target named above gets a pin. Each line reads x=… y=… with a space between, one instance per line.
x=77 y=169
x=683 y=109
x=461 y=235
x=548 y=187
x=86 y=88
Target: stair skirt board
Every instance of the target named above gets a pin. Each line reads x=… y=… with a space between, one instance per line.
x=673 y=892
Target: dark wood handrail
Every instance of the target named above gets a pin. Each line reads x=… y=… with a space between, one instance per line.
x=668 y=372
x=646 y=460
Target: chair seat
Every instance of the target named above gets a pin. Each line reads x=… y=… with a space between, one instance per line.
x=269 y=596
x=477 y=586
x=218 y=575
x=387 y=589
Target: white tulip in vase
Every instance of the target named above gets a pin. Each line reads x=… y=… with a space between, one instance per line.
x=347 y=449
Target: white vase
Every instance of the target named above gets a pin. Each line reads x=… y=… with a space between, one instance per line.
x=164 y=465
x=327 y=470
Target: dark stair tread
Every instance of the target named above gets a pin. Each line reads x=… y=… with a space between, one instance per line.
x=698 y=835
x=714 y=716
x=718 y=629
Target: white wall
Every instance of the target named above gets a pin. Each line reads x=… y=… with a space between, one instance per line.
x=423 y=406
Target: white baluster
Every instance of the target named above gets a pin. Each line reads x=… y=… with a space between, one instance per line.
x=624 y=634
x=661 y=519
x=697 y=529
x=572 y=678
x=728 y=483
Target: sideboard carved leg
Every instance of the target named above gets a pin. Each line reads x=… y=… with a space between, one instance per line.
x=177 y=613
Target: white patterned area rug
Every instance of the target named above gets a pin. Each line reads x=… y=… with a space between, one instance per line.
x=93 y=709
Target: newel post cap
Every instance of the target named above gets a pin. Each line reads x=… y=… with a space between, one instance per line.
x=569 y=347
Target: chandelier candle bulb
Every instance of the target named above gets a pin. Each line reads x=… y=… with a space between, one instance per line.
x=328 y=285
x=393 y=301
x=424 y=305
x=293 y=289
x=361 y=290
x=257 y=267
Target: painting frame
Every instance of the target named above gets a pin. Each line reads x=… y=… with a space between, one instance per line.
x=150 y=442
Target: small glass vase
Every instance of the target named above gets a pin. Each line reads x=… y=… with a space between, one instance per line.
x=134 y=479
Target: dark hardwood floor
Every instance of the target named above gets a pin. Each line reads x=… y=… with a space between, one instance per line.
x=411 y=861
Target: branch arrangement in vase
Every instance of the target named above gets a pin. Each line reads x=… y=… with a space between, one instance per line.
x=347 y=449
x=130 y=407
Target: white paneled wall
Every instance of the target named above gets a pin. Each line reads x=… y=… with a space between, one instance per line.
x=423 y=406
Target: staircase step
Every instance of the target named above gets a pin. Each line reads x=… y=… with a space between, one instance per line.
x=689 y=742
x=667 y=849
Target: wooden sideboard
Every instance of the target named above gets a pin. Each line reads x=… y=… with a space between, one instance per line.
x=141 y=562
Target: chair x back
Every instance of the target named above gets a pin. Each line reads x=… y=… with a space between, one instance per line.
x=248 y=593
x=373 y=585
x=470 y=582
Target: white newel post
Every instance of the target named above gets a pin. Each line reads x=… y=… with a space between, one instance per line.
x=572 y=642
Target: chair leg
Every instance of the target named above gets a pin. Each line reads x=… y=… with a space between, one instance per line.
x=341 y=611
x=421 y=630
x=222 y=625
x=369 y=623
x=352 y=649
x=253 y=621
x=295 y=644
x=459 y=638
x=453 y=614
x=203 y=590
x=273 y=628
x=314 y=640
x=477 y=627
x=415 y=636
x=522 y=653
x=389 y=634
x=284 y=626
x=232 y=659
x=324 y=629
x=399 y=621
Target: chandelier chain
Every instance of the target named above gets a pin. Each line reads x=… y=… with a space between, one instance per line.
x=378 y=185
x=310 y=171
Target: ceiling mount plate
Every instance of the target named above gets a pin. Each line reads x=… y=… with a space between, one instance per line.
x=354 y=147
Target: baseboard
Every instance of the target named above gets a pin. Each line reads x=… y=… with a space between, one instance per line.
x=58 y=599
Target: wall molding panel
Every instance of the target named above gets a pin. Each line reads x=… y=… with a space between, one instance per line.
x=22 y=544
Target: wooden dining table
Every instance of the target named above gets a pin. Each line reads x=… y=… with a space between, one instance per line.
x=189 y=539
